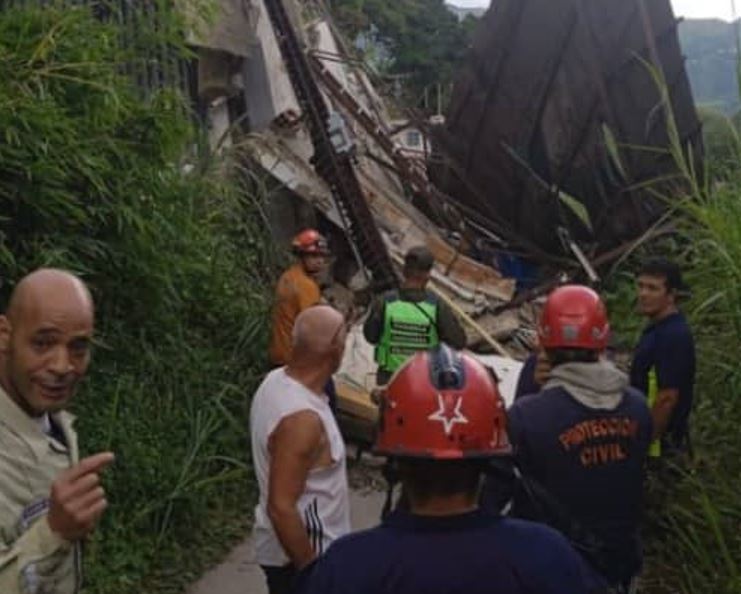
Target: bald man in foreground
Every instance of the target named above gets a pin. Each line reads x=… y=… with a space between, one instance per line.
x=299 y=454
x=49 y=500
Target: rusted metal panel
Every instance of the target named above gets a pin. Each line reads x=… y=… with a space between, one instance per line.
x=543 y=82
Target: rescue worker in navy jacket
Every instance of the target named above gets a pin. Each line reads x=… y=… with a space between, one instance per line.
x=584 y=439
x=411 y=319
x=664 y=360
x=442 y=418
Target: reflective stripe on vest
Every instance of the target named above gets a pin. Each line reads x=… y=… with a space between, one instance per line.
x=654 y=450
x=408 y=327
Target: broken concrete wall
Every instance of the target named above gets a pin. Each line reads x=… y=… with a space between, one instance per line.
x=268 y=88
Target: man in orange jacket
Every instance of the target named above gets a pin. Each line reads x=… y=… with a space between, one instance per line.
x=296 y=291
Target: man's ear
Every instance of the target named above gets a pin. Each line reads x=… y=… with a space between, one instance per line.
x=6 y=329
x=674 y=294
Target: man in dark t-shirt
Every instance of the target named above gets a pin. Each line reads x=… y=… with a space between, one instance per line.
x=441 y=419
x=664 y=361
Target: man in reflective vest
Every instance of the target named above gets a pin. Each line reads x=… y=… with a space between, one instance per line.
x=411 y=319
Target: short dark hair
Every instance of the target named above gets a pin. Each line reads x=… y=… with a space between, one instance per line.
x=418 y=259
x=424 y=479
x=558 y=357
x=666 y=269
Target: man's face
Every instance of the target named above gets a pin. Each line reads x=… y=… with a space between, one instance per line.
x=313 y=263
x=45 y=353
x=417 y=278
x=653 y=296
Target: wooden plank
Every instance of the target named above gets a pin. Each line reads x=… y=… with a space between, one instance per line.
x=356 y=402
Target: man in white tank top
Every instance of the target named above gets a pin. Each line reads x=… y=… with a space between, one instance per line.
x=298 y=453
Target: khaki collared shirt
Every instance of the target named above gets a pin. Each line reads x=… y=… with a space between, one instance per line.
x=33 y=559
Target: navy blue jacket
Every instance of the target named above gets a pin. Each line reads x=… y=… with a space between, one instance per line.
x=591 y=461
x=668 y=347
x=474 y=553
x=526 y=383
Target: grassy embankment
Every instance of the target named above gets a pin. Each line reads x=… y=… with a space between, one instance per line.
x=693 y=534
x=93 y=178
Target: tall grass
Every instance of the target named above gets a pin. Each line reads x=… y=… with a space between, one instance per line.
x=93 y=178
x=694 y=513
x=704 y=511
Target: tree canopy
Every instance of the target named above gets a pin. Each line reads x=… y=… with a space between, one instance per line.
x=710 y=47
x=422 y=41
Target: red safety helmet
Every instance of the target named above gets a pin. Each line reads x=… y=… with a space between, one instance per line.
x=574 y=317
x=310 y=242
x=442 y=404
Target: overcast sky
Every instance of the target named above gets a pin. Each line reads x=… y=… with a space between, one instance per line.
x=688 y=8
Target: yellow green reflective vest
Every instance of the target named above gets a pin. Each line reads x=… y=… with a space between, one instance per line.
x=408 y=327
x=654 y=450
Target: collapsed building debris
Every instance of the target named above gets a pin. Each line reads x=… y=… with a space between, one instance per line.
x=312 y=120
x=355 y=120
x=568 y=116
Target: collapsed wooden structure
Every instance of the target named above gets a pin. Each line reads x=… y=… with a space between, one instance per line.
x=564 y=105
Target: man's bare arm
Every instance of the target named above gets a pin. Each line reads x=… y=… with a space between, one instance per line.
x=294 y=448
x=662 y=410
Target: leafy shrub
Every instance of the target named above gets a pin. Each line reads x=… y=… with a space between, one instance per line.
x=104 y=179
x=693 y=533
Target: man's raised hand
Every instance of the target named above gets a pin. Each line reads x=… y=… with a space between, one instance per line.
x=77 y=501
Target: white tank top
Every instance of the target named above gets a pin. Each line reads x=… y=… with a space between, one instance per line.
x=324 y=505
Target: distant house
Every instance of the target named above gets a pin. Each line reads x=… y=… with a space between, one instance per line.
x=462 y=12
x=412 y=141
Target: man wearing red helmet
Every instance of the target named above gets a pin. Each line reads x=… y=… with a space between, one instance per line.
x=296 y=291
x=583 y=440
x=442 y=418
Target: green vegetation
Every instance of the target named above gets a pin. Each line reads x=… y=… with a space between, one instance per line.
x=693 y=533
x=719 y=136
x=694 y=513
x=100 y=178
x=710 y=47
x=702 y=521
x=420 y=40
x=103 y=180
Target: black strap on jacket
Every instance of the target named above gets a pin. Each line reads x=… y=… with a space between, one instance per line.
x=551 y=511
